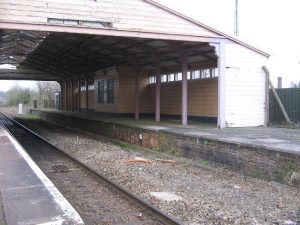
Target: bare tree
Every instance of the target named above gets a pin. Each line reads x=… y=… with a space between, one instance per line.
x=46 y=89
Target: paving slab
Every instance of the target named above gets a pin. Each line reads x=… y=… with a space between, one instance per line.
x=28 y=196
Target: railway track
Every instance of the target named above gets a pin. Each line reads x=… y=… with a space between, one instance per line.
x=96 y=198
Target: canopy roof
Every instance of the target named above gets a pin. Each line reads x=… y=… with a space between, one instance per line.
x=64 y=55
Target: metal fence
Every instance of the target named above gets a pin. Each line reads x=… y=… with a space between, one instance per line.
x=290 y=98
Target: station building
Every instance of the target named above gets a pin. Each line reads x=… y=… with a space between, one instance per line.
x=134 y=57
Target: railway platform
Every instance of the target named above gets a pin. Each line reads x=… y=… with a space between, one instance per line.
x=262 y=152
x=28 y=196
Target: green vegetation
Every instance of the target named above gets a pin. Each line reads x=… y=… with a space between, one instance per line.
x=205 y=142
x=157 y=149
x=18 y=94
x=204 y=162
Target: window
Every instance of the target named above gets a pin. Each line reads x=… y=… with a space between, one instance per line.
x=82 y=88
x=171 y=77
x=110 y=91
x=206 y=73
x=152 y=80
x=95 y=23
x=86 y=23
x=91 y=87
x=191 y=75
x=178 y=76
x=163 y=78
x=106 y=91
x=215 y=72
x=196 y=74
x=71 y=22
x=188 y=75
x=101 y=91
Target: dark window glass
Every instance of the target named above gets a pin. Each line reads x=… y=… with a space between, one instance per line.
x=101 y=91
x=110 y=91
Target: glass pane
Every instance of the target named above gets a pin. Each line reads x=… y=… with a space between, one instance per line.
x=189 y=75
x=55 y=21
x=164 y=78
x=171 y=77
x=71 y=22
x=178 y=76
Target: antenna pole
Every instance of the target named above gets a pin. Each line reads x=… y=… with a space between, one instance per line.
x=236 y=18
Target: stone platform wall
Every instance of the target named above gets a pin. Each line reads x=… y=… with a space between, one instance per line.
x=250 y=160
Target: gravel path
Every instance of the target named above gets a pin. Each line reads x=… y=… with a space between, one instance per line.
x=209 y=196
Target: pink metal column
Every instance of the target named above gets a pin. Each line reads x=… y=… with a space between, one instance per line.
x=79 y=96
x=72 y=95
x=184 y=65
x=65 y=96
x=87 y=94
x=137 y=91
x=157 y=88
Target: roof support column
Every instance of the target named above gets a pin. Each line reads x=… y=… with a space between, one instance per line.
x=136 y=69
x=157 y=87
x=72 y=95
x=87 y=94
x=184 y=89
x=65 y=96
x=78 y=96
x=220 y=52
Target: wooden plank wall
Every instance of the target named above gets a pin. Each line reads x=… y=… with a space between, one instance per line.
x=83 y=100
x=202 y=95
x=127 y=90
x=202 y=98
x=91 y=100
x=111 y=73
x=244 y=87
x=129 y=14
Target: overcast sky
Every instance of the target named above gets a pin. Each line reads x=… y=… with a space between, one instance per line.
x=272 y=25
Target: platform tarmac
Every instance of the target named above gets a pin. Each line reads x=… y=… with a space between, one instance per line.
x=272 y=138
x=28 y=196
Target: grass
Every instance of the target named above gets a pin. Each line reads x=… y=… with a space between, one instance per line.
x=204 y=162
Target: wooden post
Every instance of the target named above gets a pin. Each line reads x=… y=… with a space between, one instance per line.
x=157 y=88
x=277 y=98
x=267 y=97
x=72 y=95
x=184 y=103
x=87 y=94
x=79 y=96
x=137 y=90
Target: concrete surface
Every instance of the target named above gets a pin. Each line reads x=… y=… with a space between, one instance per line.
x=278 y=139
x=29 y=197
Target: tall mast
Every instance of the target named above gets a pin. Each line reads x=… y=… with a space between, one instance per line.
x=236 y=18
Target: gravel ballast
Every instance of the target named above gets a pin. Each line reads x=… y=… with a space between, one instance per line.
x=209 y=194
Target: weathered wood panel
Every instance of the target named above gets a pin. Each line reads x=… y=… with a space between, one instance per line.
x=244 y=87
x=202 y=98
x=111 y=73
x=91 y=95
x=83 y=100
x=129 y=14
x=127 y=91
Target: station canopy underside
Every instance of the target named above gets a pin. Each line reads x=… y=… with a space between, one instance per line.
x=57 y=56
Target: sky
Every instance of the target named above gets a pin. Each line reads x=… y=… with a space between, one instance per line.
x=271 y=25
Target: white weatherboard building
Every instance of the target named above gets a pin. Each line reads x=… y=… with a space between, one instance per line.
x=117 y=46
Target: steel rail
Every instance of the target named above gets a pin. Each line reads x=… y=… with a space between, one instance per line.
x=161 y=215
